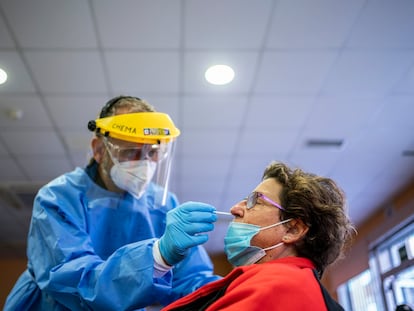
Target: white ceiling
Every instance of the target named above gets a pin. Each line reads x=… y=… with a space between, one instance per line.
x=321 y=69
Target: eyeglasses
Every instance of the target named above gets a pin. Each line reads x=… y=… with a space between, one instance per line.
x=133 y=153
x=251 y=200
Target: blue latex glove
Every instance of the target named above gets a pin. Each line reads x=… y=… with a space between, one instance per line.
x=187 y=226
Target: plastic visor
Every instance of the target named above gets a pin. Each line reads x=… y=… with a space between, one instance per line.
x=161 y=154
x=140 y=127
x=163 y=174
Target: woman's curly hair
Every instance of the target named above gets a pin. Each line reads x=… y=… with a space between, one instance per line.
x=320 y=204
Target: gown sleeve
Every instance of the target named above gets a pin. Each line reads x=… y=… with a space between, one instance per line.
x=66 y=267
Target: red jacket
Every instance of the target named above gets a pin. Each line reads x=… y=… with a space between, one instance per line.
x=282 y=284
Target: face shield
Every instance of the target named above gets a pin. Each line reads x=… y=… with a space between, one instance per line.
x=134 y=138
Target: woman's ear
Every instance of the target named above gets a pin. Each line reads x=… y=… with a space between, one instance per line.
x=297 y=230
x=97 y=148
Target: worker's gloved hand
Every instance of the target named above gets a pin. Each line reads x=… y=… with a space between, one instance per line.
x=187 y=226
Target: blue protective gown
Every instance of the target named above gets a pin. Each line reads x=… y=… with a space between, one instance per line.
x=91 y=249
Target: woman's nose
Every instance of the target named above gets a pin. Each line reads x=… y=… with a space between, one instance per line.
x=238 y=209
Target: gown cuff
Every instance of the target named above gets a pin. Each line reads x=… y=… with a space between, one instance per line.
x=160 y=266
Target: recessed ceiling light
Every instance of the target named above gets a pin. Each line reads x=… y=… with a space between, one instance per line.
x=3 y=76
x=219 y=74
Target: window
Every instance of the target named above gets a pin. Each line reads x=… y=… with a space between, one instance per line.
x=360 y=293
x=389 y=281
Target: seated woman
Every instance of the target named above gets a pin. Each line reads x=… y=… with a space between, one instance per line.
x=285 y=233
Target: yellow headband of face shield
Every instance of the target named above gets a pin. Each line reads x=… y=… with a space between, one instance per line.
x=139 y=127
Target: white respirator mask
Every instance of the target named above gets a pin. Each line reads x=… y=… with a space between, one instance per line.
x=133 y=176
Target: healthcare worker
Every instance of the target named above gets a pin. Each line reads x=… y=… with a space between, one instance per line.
x=111 y=236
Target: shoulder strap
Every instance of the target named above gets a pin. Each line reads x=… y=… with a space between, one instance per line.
x=331 y=304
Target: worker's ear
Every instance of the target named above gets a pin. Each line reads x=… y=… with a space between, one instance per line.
x=98 y=148
x=297 y=230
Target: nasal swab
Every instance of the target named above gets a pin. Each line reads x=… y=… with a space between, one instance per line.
x=224 y=213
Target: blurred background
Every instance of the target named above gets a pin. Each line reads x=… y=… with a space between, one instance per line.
x=325 y=85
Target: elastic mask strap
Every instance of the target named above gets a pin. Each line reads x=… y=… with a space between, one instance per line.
x=276 y=224
x=274 y=246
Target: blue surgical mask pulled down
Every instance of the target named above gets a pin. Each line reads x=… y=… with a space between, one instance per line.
x=237 y=243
